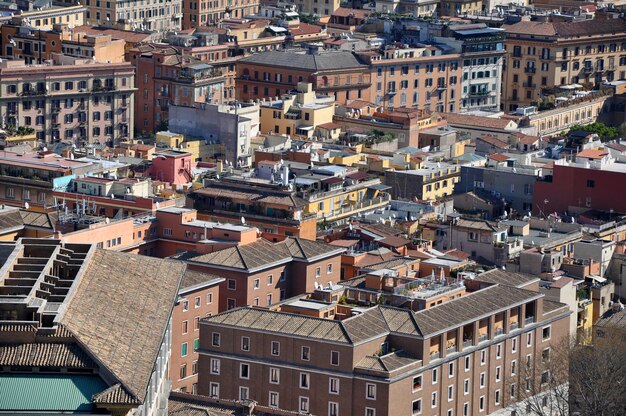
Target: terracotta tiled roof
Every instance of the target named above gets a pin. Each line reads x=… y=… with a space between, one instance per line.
x=346 y=12
x=116 y=394
x=477 y=121
x=525 y=138
x=128 y=36
x=616 y=146
x=10 y=220
x=63 y=355
x=592 y=153
x=568 y=29
x=305 y=29
x=498 y=157
x=494 y=141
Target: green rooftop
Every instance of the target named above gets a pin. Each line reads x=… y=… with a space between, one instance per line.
x=48 y=392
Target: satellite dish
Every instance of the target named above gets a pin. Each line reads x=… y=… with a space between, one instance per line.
x=107 y=220
x=243 y=221
x=26 y=205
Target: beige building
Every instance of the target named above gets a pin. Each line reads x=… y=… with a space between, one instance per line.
x=71 y=99
x=460 y=7
x=135 y=14
x=544 y=55
x=71 y=15
x=298 y=114
x=316 y=7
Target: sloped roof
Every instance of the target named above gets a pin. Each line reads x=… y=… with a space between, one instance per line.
x=465 y=309
x=455 y=119
x=498 y=157
x=193 y=278
x=592 y=153
x=10 y=220
x=65 y=355
x=506 y=278
x=309 y=249
x=251 y=256
x=568 y=29
x=122 y=330
x=325 y=61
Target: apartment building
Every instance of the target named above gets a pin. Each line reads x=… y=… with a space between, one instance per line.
x=430 y=181
x=198 y=298
x=315 y=7
x=263 y=273
x=415 y=77
x=341 y=75
x=46 y=17
x=299 y=113
x=68 y=313
x=135 y=14
x=31 y=178
x=543 y=55
x=166 y=77
x=206 y=13
x=467 y=356
x=71 y=99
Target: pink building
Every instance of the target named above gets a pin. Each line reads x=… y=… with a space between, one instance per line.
x=172 y=166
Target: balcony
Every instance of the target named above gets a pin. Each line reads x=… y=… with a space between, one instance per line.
x=587 y=70
x=499 y=331
x=442 y=86
x=514 y=325
x=529 y=85
x=435 y=355
x=451 y=349
x=353 y=209
x=483 y=337
x=530 y=69
x=468 y=343
x=479 y=93
x=358 y=85
x=529 y=320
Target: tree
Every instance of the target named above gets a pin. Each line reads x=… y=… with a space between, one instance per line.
x=605 y=132
x=570 y=378
x=622 y=129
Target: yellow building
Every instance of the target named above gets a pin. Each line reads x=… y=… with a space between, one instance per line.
x=584 y=321
x=545 y=55
x=200 y=150
x=297 y=114
x=73 y=16
x=432 y=181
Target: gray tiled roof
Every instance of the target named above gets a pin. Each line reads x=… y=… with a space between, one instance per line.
x=502 y=277
x=308 y=249
x=325 y=61
x=44 y=355
x=193 y=278
x=369 y=324
x=387 y=363
x=282 y=323
x=470 y=308
x=400 y=320
x=251 y=256
x=10 y=220
x=120 y=311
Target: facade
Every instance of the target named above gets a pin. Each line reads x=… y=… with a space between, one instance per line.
x=46 y=17
x=416 y=77
x=206 y=13
x=433 y=180
x=135 y=14
x=72 y=99
x=274 y=73
x=165 y=77
x=198 y=298
x=543 y=55
x=124 y=293
x=485 y=241
x=314 y=7
x=465 y=355
x=297 y=114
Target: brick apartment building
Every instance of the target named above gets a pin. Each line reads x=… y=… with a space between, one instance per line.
x=198 y=298
x=466 y=356
x=71 y=99
x=271 y=74
x=167 y=77
x=264 y=273
x=206 y=13
x=545 y=55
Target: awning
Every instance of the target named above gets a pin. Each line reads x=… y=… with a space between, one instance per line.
x=380 y=187
x=598 y=279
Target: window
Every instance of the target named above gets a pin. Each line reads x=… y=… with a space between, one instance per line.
x=482 y=380
x=273 y=399
x=513 y=367
x=194 y=368
x=275 y=348
x=529 y=339
x=185 y=305
x=417 y=407
x=591 y=183
x=244 y=371
x=465 y=409
x=274 y=375
x=545 y=333
x=370 y=411
x=417 y=383
x=318 y=272
x=450 y=393
x=185 y=327
x=434 y=376
x=270 y=279
x=305 y=353
x=304 y=404
x=499 y=350
x=183 y=372
x=232 y=284
x=433 y=399
x=215 y=341
x=333 y=409
x=512 y=390
x=451 y=369
x=514 y=345
x=256 y=283
x=329 y=268
x=498 y=373
x=209 y=298
x=466 y=386
x=183 y=349
x=214 y=389
x=545 y=377
x=497 y=397
x=370 y=391
x=245 y=344
x=467 y=363
x=243 y=393
x=305 y=379
x=481 y=403
x=545 y=355
x=334 y=357
x=333 y=385
x=483 y=357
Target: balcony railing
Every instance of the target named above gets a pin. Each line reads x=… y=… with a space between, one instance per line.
x=514 y=325
x=529 y=320
x=499 y=331
x=468 y=343
x=435 y=354
x=451 y=348
x=530 y=85
x=530 y=69
x=353 y=209
x=482 y=338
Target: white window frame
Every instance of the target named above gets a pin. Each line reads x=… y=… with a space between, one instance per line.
x=277 y=349
x=219 y=339
x=468 y=363
x=370 y=391
x=242 y=343
x=241 y=367
x=332 y=354
x=214 y=389
x=302 y=353
x=306 y=407
x=307 y=378
x=435 y=376
x=330 y=385
x=421 y=383
x=498 y=373
x=549 y=328
x=333 y=409
x=245 y=396
x=433 y=399
x=215 y=366
x=420 y=407
x=466 y=386
x=269 y=401
x=482 y=380
x=450 y=393
x=481 y=404
x=274 y=370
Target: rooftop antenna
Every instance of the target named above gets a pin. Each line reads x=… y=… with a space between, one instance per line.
x=243 y=221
